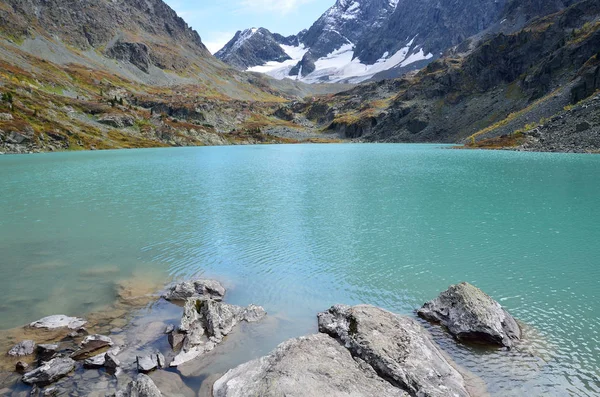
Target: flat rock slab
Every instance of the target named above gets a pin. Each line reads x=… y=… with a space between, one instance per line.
x=49 y=372
x=315 y=365
x=398 y=348
x=141 y=386
x=24 y=348
x=200 y=288
x=472 y=315
x=59 y=321
x=91 y=344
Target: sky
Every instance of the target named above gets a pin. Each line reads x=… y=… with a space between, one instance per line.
x=217 y=20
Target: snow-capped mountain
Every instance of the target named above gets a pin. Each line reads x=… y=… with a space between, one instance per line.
x=256 y=46
x=358 y=40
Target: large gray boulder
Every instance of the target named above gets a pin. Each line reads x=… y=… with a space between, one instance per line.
x=471 y=315
x=205 y=323
x=59 y=321
x=200 y=288
x=398 y=349
x=141 y=386
x=49 y=372
x=315 y=365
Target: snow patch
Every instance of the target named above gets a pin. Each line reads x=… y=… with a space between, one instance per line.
x=340 y=65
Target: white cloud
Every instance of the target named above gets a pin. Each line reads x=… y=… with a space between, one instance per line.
x=279 y=6
x=214 y=41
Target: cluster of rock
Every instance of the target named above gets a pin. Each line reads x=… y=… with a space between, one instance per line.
x=360 y=350
x=365 y=350
x=205 y=322
x=206 y=319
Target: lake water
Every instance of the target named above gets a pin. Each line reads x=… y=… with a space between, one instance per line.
x=297 y=228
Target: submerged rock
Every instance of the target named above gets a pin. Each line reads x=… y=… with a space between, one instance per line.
x=49 y=372
x=471 y=315
x=201 y=288
x=24 y=348
x=146 y=364
x=59 y=321
x=398 y=349
x=141 y=386
x=205 y=323
x=315 y=365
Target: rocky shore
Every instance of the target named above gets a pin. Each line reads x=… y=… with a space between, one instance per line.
x=358 y=351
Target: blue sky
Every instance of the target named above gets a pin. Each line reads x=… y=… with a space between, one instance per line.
x=218 y=20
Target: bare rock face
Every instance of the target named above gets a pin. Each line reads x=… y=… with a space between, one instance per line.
x=315 y=365
x=49 y=372
x=141 y=386
x=24 y=348
x=201 y=288
x=59 y=321
x=471 y=315
x=398 y=349
x=204 y=325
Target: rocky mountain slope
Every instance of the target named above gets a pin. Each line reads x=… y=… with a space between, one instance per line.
x=123 y=73
x=255 y=47
x=355 y=41
x=499 y=84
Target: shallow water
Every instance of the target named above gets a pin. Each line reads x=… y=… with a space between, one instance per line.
x=298 y=228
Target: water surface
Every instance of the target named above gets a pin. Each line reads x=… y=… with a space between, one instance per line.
x=298 y=228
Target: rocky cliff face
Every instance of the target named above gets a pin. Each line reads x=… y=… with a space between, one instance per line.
x=120 y=28
x=502 y=84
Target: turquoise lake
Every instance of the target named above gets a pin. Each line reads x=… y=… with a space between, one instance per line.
x=297 y=228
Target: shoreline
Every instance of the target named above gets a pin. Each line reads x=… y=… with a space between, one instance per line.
x=145 y=318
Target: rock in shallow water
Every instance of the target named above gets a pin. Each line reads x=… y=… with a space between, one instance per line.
x=471 y=315
x=47 y=352
x=201 y=288
x=142 y=386
x=24 y=348
x=59 y=321
x=315 y=365
x=49 y=372
x=90 y=344
x=146 y=364
x=397 y=348
x=205 y=323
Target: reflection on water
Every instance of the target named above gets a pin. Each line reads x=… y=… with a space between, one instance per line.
x=299 y=228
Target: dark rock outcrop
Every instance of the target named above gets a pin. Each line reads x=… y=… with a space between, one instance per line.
x=471 y=315
x=396 y=348
x=137 y=54
x=46 y=352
